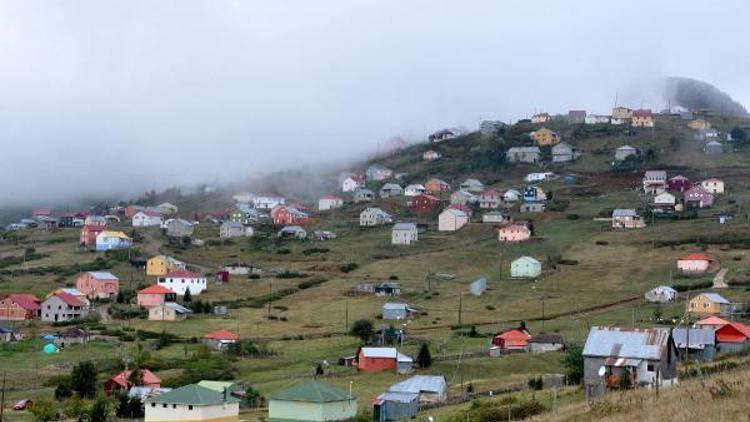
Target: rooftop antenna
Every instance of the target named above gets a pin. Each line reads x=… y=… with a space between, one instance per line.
x=616 y=95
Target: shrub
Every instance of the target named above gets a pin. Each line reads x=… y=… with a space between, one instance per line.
x=313 y=282
x=349 y=267
x=573 y=216
x=288 y=274
x=602 y=242
x=283 y=251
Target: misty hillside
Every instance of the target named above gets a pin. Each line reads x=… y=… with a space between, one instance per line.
x=698 y=95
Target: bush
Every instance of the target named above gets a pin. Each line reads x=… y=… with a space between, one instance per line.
x=568 y=262
x=283 y=251
x=288 y=274
x=602 y=242
x=573 y=216
x=313 y=282
x=349 y=267
x=311 y=251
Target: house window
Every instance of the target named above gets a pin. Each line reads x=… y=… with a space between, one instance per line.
x=650 y=367
x=174 y=406
x=190 y=407
x=153 y=404
x=164 y=405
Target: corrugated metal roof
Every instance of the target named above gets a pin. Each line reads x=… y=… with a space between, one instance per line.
x=102 y=275
x=193 y=394
x=624 y=212
x=420 y=383
x=312 y=391
x=699 y=337
x=379 y=352
x=715 y=297
x=620 y=362
x=404 y=226
x=398 y=397
x=395 y=306
x=626 y=343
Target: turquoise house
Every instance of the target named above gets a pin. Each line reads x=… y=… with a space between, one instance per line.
x=312 y=401
x=525 y=267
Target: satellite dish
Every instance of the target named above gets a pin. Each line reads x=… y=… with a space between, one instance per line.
x=602 y=371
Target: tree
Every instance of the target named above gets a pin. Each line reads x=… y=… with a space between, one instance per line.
x=74 y=408
x=43 y=411
x=363 y=328
x=572 y=360
x=424 y=358
x=136 y=377
x=63 y=391
x=163 y=341
x=188 y=296
x=253 y=398
x=83 y=379
x=99 y=410
x=738 y=134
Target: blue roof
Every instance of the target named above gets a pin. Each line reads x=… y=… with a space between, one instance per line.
x=715 y=297
x=420 y=383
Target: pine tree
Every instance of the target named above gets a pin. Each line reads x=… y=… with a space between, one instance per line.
x=424 y=358
x=188 y=296
x=83 y=379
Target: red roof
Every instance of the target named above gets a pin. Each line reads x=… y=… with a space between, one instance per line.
x=514 y=334
x=696 y=257
x=734 y=332
x=329 y=197
x=181 y=274
x=148 y=378
x=642 y=113
x=156 y=289
x=26 y=301
x=69 y=299
x=429 y=197
x=712 y=320
x=222 y=335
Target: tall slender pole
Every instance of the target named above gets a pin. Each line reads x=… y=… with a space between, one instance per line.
x=2 y=400
x=346 y=322
x=460 y=305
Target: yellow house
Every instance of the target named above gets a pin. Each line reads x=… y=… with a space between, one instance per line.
x=622 y=113
x=160 y=265
x=545 y=137
x=699 y=124
x=706 y=304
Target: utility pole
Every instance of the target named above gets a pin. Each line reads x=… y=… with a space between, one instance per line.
x=270 y=296
x=460 y=305
x=2 y=400
x=346 y=316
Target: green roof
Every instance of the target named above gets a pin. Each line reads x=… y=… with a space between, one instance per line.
x=217 y=386
x=193 y=394
x=313 y=391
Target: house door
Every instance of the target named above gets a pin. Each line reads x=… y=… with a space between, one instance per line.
x=56 y=315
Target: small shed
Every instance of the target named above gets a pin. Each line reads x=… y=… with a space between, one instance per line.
x=395 y=406
x=429 y=388
x=661 y=294
x=546 y=343
x=702 y=343
x=525 y=267
x=478 y=286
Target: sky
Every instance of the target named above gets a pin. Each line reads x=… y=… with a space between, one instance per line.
x=103 y=97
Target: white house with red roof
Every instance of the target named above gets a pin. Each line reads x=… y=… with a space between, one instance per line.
x=329 y=202
x=490 y=199
x=220 y=339
x=352 y=183
x=179 y=281
x=642 y=118
x=695 y=263
x=147 y=218
x=63 y=307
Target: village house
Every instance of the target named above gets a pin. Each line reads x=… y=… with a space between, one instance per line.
x=376 y=359
x=537 y=177
x=244 y=214
x=268 y=201
x=472 y=185
x=313 y=401
x=491 y=127
x=664 y=202
x=463 y=208
x=19 y=307
x=423 y=203
x=435 y=186
x=71 y=336
x=707 y=304
x=293 y=232
x=177 y=227
x=645 y=356
x=283 y=215
x=642 y=118
x=414 y=190
x=532 y=207
x=73 y=292
x=615 y=121
x=545 y=137
x=147 y=218
x=431 y=155
x=155 y=295
x=702 y=345
x=627 y=218
x=697 y=197
x=98 y=284
x=94 y=220
x=387 y=288
x=563 y=153
x=513 y=233
x=328 y=202
x=490 y=199
x=88 y=235
x=398 y=311
x=496 y=217
x=732 y=338
x=534 y=194
x=523 y=154
x=363 y=195
x=377 y=172
x=544 y=343
x=192 y=403
x=220 y=339
x=711 y=322
x=699 y=124
x=679 y=183
x=576 y=117
x=63 y=307
x=655 y=181
x=713 y=185
x=443 y=135
x=428 y=388
x=525 y=267
x=462 y=197
x=390 y=190
x=404 y=234
x=597 y=119
x=371 y=217
x=352 y=183
x=10 y=335
x=514 y=340
x=622 y=113
x=541 y=118
x=706 y=135
x=395 y=407
x=713 y=147
x=624 y=152
x=512 y=195
x=230 y=229
x=695 y=263
x=661 y=294
x=180 y=281
x=451 y=220
x=161 y=264
x=132 y=210
x=168 y=311
x=121 y=382
x=111 y=240
x=167 y=208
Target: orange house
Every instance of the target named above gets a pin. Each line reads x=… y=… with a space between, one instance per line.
x=435 y=185
x=18 y=307
x=88 y=235
x=512 y=340
x=120 y=381
x=155 y=295
x=98 y=284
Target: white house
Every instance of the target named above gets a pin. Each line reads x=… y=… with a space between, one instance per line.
x=229 y=229
x=404 y=234
x=661 y=294
x=391 y=189
x=512 y=195
x=472 y=185
x=713 y=185
x=617 y=121
x=192 y=402
x=329 y=202
x=147 y=218
x=624 y=152
x=665 y=200
x=352 y=183
x=414 y=190
x=462 y=197
x=431 y=155
x=268 y=201
x=451 y=220
x=179 y=281
x=371 y=217
x=596 y=119
x=540 y=177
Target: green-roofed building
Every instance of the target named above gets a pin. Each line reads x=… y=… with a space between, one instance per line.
x=311 y=401
x=219 y=386
x=193 y=403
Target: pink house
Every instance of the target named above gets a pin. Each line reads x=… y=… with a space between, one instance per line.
x=98 y=284
x=513 y=233
x=699 y=197
x=490 y=199
x=679 y=183
x=155 y=295
x=695 y=263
